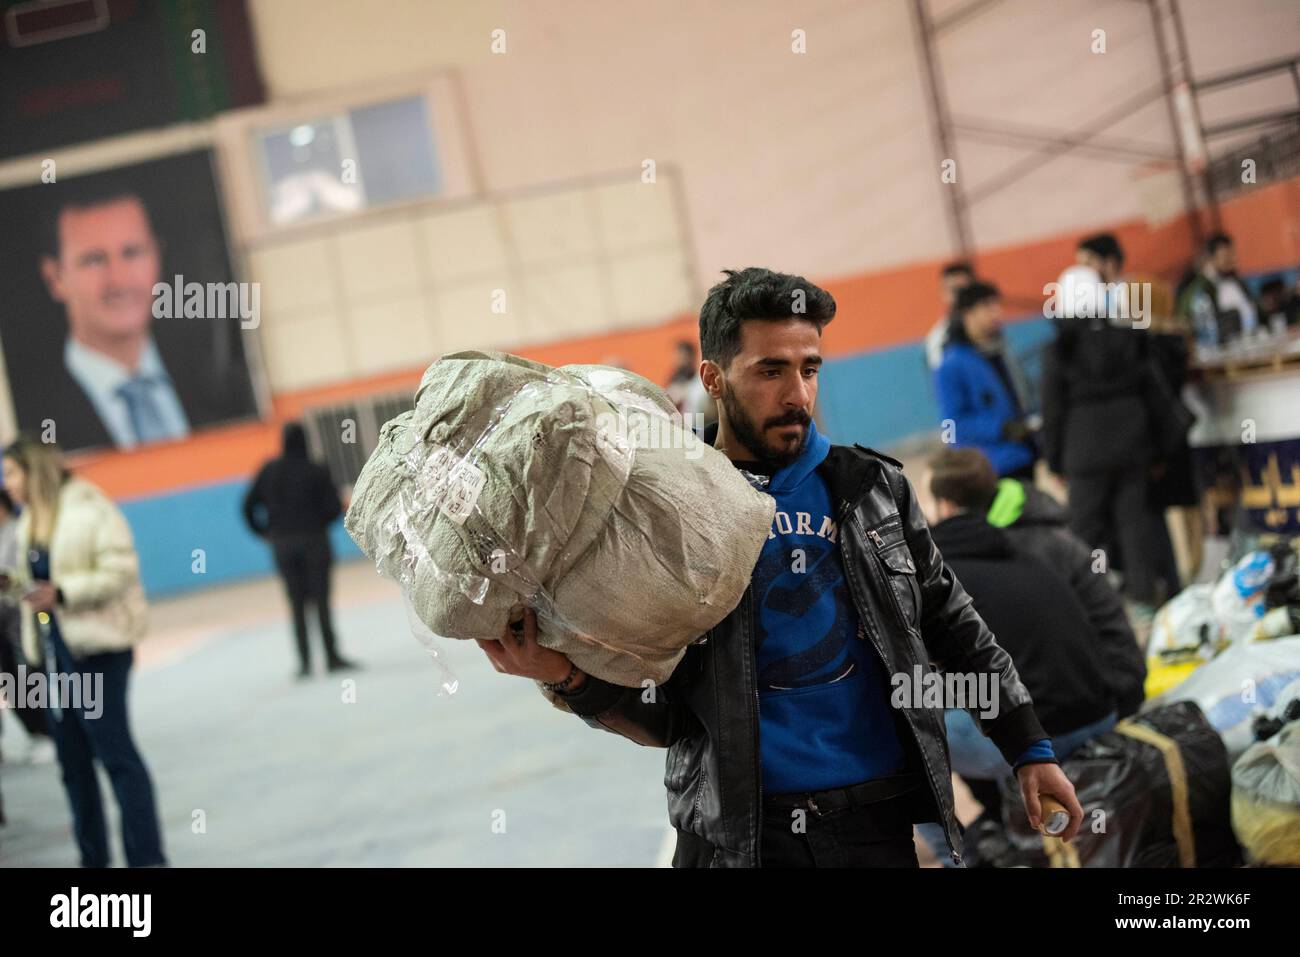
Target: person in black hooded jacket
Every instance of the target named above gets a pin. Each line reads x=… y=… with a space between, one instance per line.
x=1042 y=625
x=1039 y=621
x=1038 y=524
x=291 y=504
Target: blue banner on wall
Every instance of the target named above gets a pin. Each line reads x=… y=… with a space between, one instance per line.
x=1263 y=477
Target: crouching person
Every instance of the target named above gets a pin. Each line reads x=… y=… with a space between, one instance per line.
x=1039 y=620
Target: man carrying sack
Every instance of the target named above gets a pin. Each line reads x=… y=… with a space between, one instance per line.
x=785 y=744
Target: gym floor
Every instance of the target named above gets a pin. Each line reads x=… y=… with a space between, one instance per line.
x=254 y=768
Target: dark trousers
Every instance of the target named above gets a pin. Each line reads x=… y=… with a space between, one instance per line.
x=1109 y=510
x=81 y=739
x=11 y=656
x=1166 y=570
x=869 y=835
x=304 y=563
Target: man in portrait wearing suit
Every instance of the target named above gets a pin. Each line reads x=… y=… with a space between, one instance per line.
x=100 y=259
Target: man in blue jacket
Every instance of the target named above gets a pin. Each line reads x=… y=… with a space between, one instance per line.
x=981 y=399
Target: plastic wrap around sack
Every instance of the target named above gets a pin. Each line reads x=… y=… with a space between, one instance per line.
x=576 y=492
x=1243 y=681
x=1134 y=813
x=1266 y=799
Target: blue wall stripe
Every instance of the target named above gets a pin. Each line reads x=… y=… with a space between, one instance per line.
x=169 y=527
x=879 y=398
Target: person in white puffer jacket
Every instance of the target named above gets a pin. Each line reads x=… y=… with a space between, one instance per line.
x=84 y=610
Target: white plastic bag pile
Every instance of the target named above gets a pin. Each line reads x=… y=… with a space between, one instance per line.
x=574 y=491
x=1242 y=682
x=1221 y=651
x=1266 y=799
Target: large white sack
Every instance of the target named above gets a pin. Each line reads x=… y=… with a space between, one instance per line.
x=514 y=484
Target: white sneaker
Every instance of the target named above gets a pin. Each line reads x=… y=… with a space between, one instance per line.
x=41 y=751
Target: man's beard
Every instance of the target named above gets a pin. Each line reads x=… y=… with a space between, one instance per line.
x=751 y=436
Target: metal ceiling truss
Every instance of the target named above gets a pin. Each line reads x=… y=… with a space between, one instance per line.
x=1089 y=139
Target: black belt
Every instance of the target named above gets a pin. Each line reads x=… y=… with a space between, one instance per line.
x=855 y=795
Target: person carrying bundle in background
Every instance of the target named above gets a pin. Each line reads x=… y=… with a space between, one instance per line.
x=782 y=716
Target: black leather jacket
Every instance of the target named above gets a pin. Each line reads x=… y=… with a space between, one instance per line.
x=912 y=610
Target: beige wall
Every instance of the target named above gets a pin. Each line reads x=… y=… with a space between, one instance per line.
x=389 y=291
x=821 y=163
x=809 y=162
x=309 y=46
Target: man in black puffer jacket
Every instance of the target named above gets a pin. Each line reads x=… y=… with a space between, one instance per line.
x=1038 y=524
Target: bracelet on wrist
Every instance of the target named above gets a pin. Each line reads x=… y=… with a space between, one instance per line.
x=561 y=687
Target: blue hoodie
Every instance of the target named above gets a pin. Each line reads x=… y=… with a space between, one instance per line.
x=824 y=714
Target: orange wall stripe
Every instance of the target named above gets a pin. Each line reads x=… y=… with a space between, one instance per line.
x=875 y=311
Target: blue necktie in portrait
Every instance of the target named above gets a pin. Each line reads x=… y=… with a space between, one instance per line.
x=142 y=405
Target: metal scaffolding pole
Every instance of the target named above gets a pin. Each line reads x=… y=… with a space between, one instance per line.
x=1185 y=59
x=956 y=207
x=1190 y=205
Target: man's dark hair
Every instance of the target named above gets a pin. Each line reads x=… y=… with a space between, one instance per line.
x=6 y=501
x=755 y=293
x=1104 y=245
x=1216 y=241
x=964 y=477
x=959 y=268
x=975 y=294
x=77 y=194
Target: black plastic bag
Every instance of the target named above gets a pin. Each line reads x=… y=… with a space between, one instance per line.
x=1136 y=814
